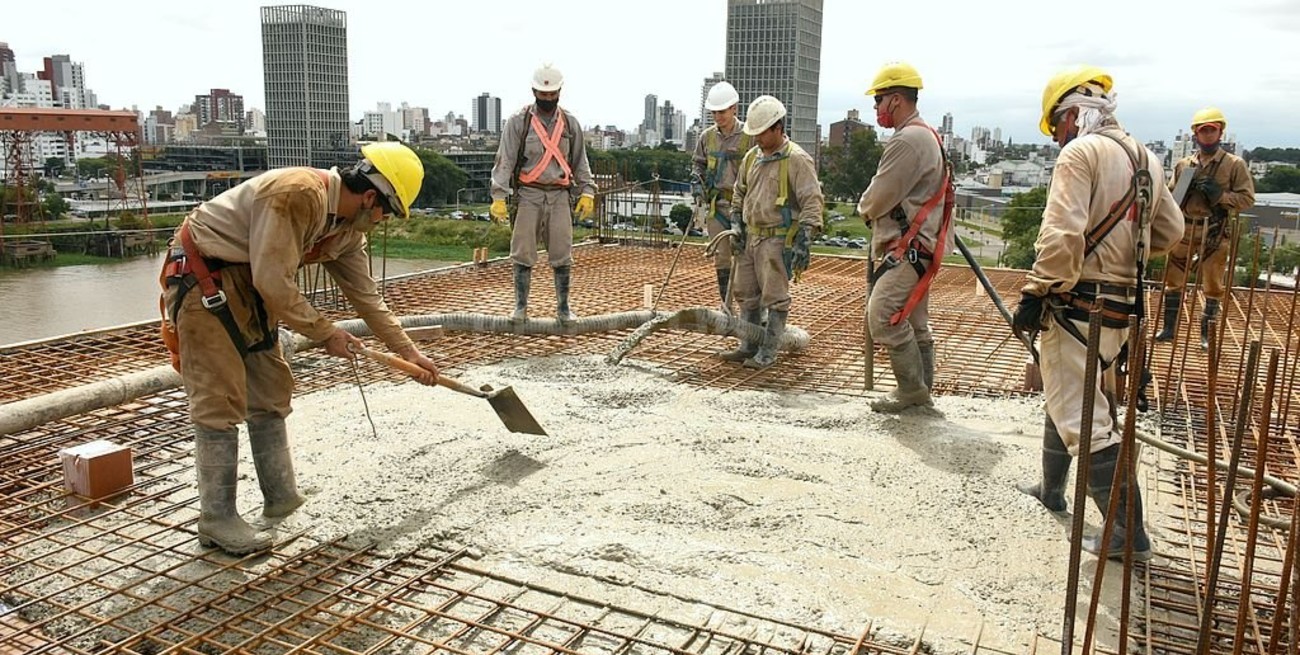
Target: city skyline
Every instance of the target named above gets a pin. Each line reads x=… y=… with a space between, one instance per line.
x=1158 y=91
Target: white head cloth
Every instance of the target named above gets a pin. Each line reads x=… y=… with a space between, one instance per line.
x=1096 y=108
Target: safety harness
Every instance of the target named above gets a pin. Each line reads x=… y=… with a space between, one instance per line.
x=788 y=229
x=1214 y=224
x=910 y=249
x=550 y=151
x=716 y=161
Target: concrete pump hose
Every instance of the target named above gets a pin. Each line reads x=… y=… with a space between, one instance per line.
x=712 y=247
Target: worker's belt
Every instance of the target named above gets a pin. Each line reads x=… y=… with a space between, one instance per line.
x=1094 y=289
x=768 y=232
x=918 y=256
x=1077 y=305
x=547 y=187
x=187 y=268
x=722 y=194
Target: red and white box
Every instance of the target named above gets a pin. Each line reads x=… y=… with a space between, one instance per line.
x=97 y=470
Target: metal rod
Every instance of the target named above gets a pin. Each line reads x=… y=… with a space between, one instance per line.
x=1257 y=488
x=1081 y=480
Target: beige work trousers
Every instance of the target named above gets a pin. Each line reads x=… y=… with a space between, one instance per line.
x=542 y=215
x=225 y=389
x=888 y=295
x=760 y=280
x=1062 y=359
x=1212 y=265
x=714 y=227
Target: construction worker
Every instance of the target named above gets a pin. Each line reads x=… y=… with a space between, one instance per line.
x=908 y=207
x=1107 y=209
x=230 y=280
x=777 y=209
x=713 y=167
x=542 y=162
x=1221 y=187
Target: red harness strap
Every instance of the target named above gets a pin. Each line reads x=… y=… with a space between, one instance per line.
x=551 y=152
x=899 y=250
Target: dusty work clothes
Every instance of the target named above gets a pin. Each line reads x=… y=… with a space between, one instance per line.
x=1207 y=236
x=259 y=233
x=911 y=171
x=543 y=207
x=760 y=277
x=1091 y=175
x=714 y=163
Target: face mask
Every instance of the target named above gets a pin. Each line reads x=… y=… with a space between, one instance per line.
x=1209 y=149
x=884 y=115
x=547 y=105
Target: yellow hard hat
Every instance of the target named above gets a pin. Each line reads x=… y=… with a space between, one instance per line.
x=1063 y=83
x=895 y=74
x=400 y=167
x=1209 y=115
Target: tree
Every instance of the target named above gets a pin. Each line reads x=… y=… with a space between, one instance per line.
x=54 y=166
x=847 y=170
x=442 y=179
x=1020 y=227
x=1290 y=155
x=54 y=206
x=642 y=164
x=680 y=215
x=1280 y=179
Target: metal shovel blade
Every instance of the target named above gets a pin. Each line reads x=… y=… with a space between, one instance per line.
x=511 y=410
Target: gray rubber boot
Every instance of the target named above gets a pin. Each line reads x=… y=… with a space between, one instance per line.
x=1101 y=472
x=911 y=390
x=766 y=355
x=216 y=458
x=562 y=280
x=927 y=363
x=1050 y=491
x=747 y=348
x=274 y=463
x=1173 y=301
x=1211 y=311
x=523 y=280
x=724 y=279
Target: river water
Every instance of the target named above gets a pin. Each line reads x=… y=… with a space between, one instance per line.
x=44 y=302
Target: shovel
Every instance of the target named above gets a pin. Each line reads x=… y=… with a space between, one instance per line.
x=509 y=408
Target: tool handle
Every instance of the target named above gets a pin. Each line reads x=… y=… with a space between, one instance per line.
x=393 y=361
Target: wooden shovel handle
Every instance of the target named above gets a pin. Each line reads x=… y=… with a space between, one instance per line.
x=393 y=361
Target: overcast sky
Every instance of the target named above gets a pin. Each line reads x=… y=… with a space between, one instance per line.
x=985 y=62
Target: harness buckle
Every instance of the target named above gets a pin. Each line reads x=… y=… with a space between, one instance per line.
x=214 y=302
x=889 y=261
x=912 y=256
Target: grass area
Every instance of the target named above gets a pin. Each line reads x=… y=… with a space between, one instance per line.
x=65 y=259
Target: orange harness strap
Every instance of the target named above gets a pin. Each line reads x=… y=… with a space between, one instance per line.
x=551 y=152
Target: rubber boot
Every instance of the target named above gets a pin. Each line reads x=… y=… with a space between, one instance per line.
x=1101 y=472
x=562 y=279
x=1173 y=301
x=216 y=458
x=747 y=347
x=766 y=355
x=911 y=390
x=724 y=279
x=523 y=280
x=1211 y=311
x=274 y=464
x=927 y=363
x=1050 y=491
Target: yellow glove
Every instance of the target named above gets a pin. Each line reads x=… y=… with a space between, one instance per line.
x=586 y=206
x=499 y=212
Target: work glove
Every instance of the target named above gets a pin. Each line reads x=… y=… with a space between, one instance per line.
x=586 y=206
x=800 y=250
x=1213 y=192
x=1029 y=314
x=498 y=211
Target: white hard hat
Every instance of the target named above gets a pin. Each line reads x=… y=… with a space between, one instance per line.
x=721 y=96
x=548 y=78
x=763 y=113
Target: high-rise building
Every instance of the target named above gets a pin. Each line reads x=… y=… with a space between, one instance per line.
x=305 y=67
x=706 y=116
x=255 y=122
x=67 y=78
x=947 y=124
x=774 y=47
x=842 y=131
x=667 y=126
x=414 y=121
x=219 y=106
x=651 y=120
x=8 y=70
x=486 y=114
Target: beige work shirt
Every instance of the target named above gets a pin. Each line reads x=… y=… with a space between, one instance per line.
x=280 y=220
x=1232 y=175
x=910 y=173
x=728 y=156
x=571 y=145
x=1092 y=173
x=757 y=191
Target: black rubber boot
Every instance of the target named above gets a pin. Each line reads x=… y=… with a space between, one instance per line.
x=766 y=355
x=927 y=363
x=724 y=279
x=1050 y=491
x=1211 y=311
x=747 y=347
x=1101 y=472
x=1173 y=301
x=274 y=463
x=523 y=281
x=562 y=279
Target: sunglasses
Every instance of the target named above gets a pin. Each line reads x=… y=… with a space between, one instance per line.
x=881 y=98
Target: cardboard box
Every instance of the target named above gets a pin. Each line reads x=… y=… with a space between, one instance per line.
x=97 y=470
